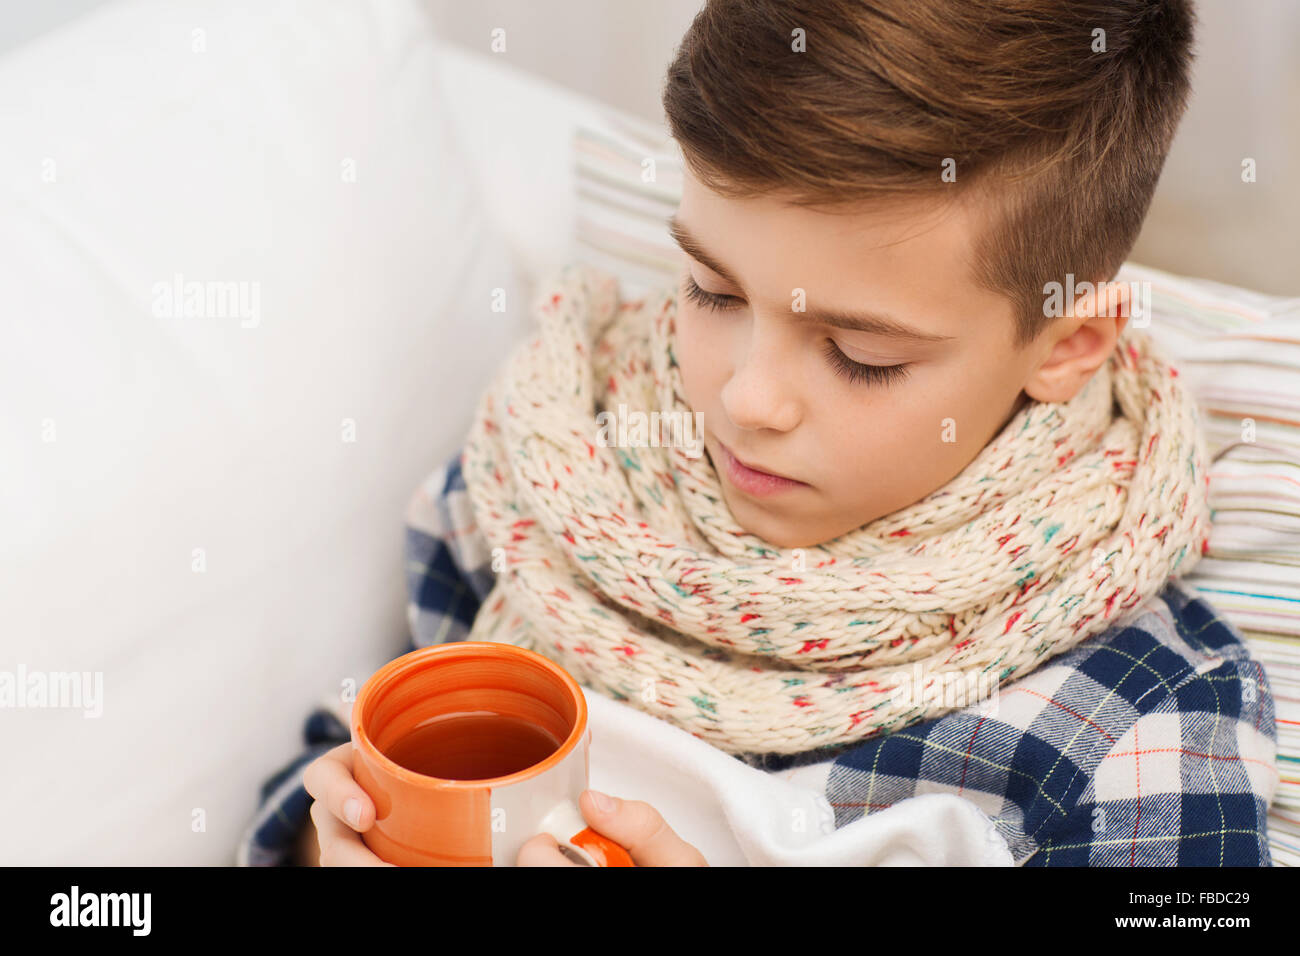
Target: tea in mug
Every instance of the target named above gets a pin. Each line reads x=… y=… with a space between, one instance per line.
x=472 y=745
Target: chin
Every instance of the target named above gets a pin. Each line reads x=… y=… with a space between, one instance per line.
x=797 y=540
x=776 y=534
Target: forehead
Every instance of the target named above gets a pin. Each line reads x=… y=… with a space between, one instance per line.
x=910 y=258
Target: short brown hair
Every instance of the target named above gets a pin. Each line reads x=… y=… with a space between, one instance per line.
x=1069 y=142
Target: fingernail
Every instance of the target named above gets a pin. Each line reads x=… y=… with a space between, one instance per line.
x=604 y=803
x=352 y=811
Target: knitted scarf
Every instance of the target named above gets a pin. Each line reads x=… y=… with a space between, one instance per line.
x=625 y=566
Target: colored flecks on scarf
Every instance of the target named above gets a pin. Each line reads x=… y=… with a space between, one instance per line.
x=705 y=703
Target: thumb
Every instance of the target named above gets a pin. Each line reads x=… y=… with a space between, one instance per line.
x=638 y=828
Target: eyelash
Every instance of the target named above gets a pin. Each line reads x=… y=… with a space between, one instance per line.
x=853 y=371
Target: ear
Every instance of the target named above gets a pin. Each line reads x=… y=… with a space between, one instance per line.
x=1082 y=341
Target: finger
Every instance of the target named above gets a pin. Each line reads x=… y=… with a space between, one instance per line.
x=638 y=828
x=542 y=850
x=329 y=780
x=339 y=845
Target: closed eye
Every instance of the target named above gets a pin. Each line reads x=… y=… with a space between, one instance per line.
x=710 y=300
x=854 y=372
x=861 y=372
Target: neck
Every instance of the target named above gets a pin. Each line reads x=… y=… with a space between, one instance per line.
x=1021 y=402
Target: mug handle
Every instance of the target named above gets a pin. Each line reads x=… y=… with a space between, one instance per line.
x=567 y=824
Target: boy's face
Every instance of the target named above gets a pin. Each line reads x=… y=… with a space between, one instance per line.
x=762 y=370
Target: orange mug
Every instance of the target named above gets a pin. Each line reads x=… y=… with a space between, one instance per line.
x=423 y=820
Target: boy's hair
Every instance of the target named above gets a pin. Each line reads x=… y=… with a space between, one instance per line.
x=1068 y=143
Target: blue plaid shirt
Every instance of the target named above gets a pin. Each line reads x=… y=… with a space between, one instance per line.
x=1150 y=744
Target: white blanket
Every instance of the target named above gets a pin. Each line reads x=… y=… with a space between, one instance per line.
x=737 y=815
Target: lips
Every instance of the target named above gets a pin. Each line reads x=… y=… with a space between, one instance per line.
x=753 y=481
x=756 y=468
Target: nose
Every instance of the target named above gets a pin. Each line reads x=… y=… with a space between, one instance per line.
x=760 y=393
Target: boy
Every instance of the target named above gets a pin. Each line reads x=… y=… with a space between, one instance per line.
x=919 y=173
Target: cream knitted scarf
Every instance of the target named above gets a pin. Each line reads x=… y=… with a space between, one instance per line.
x=624 y=565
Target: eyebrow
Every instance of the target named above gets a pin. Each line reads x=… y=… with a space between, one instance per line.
x=874 y=323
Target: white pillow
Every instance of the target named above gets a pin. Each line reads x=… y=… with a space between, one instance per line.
x=520 y=129
x=182 y=509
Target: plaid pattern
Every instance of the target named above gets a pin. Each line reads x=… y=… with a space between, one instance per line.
x=1151 y=744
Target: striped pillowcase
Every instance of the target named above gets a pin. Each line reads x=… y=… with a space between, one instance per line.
x=628 y=177
x=1239 y=351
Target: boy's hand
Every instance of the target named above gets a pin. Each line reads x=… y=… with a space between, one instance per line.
x=633 y=824
x=328 y=779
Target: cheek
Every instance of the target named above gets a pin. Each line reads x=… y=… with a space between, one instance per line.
x=899 y=445
x=699 y=351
